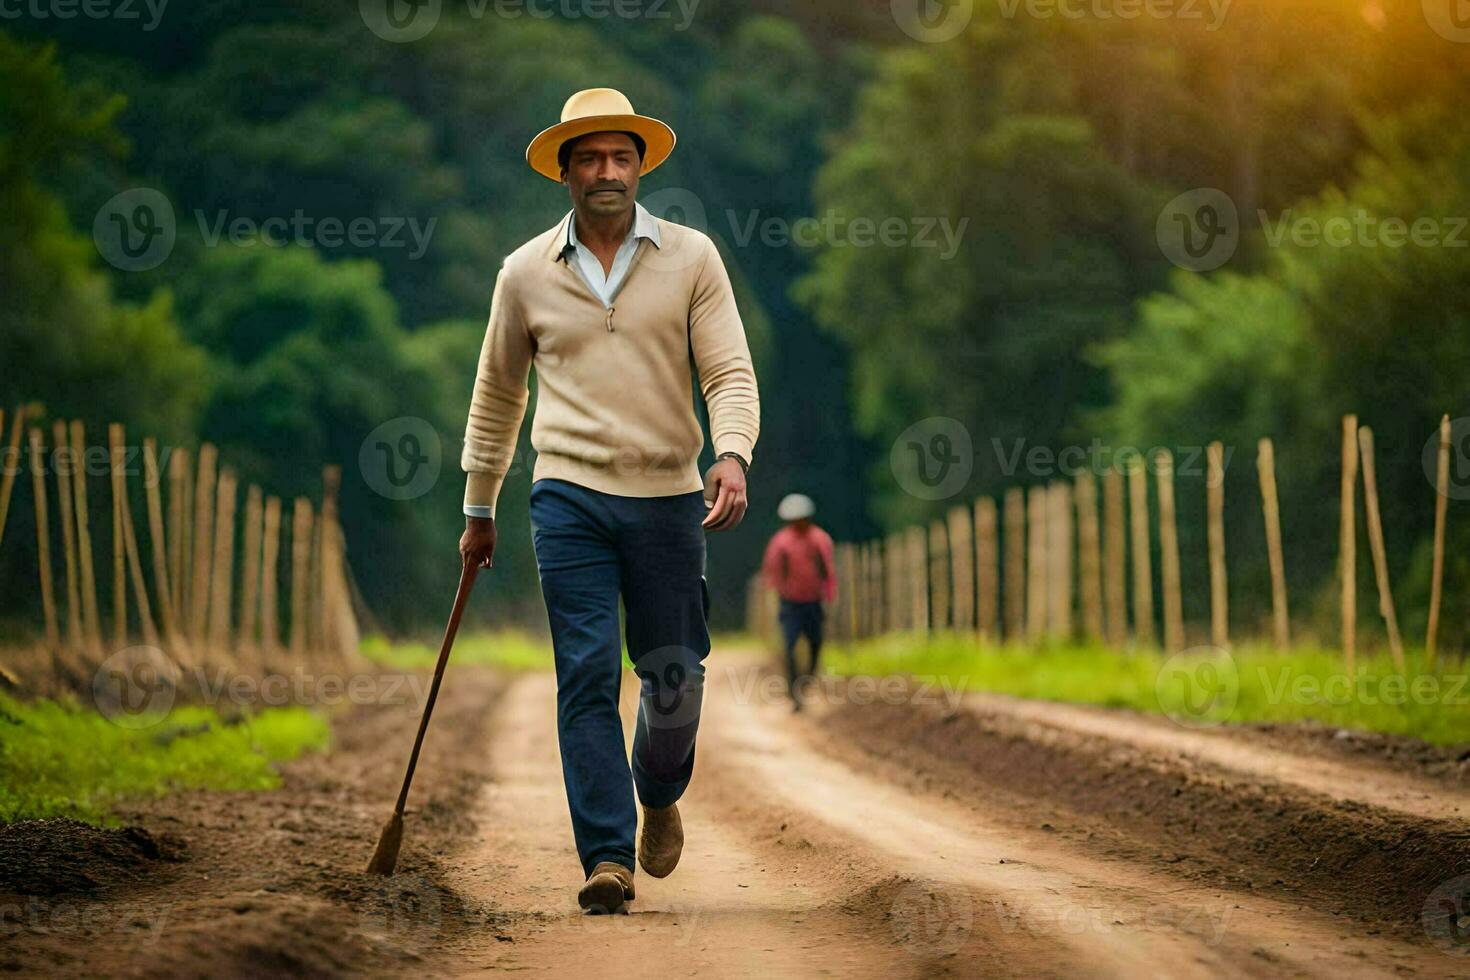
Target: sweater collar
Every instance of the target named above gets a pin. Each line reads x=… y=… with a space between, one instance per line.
x=565 y=240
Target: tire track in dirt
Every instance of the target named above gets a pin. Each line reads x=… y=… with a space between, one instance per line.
x=1121 y=919
x=726 y=911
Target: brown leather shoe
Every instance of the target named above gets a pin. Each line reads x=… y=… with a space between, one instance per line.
x=609 y=887
x=662 y=840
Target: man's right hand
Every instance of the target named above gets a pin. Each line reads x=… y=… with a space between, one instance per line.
x=477 y=544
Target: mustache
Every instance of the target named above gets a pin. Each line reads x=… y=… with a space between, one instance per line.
x=608 y=187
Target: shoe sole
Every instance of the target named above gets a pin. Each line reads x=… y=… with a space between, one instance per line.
x=603 y=895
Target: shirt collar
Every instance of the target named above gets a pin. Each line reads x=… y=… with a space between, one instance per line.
x=644 y=226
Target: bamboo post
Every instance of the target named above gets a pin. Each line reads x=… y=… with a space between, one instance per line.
x=1169 y=553
x=939 y=585
x=158 y=544
x=204 y=507
x=326 y=546
x=1059 y=554
x=135 y=570
x=1219 y=594
x=1115 y=622
x=270 y=635
x=893 y=565
x=186 y=547
x=1271 y=510
x=1143 y=582
x=178 y=464
x=918 y=578
x=986 y=570
x=874 y=600
x=1436 y=578
x=250 y=572
x=300 y=564
x=11 y=468
x=1015 y=564
x=116 y=453
x=844 y=609
x=1347 y=561
x=91 y=617
x=856 y=589
x=43 y=542
x=1375 y=545
x=221 y=578
x=1089 y=556
x=65 y=464
x=962 y=568
x=1036 y=564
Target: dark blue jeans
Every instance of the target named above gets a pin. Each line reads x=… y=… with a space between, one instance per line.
x=593 y=548
x=800 y=619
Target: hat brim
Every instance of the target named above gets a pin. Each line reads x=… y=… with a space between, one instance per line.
x=658 y=140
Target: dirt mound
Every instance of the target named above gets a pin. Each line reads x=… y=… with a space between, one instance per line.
x=59 y=857
x=1203 y=822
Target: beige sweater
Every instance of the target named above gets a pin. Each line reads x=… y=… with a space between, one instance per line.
x=615 y=403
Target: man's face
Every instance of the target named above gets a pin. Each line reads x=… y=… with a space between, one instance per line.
x=602 y=173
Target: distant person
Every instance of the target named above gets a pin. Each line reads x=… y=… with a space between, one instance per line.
x=608 y=306
x=798 y=565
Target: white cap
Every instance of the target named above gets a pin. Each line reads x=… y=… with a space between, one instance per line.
x=795 y=506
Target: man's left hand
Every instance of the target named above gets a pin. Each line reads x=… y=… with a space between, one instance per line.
x=724 y=483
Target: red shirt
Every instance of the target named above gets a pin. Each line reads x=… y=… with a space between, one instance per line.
x=798 y=565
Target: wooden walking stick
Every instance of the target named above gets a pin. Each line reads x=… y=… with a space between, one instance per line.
x=385 y=858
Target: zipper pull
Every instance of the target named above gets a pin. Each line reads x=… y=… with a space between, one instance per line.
x=609 y=319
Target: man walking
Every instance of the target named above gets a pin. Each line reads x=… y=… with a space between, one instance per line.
x=798 y=565
x=609 y=306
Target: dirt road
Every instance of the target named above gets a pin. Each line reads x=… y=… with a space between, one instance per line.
x=903 y=835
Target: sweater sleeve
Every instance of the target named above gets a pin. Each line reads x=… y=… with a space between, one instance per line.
x=499 y=401
x=722 y=359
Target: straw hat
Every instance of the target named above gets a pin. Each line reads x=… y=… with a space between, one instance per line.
x=598 y=110
x=795 y=507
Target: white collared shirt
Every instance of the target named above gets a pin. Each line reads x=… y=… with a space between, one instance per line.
x=605 y=286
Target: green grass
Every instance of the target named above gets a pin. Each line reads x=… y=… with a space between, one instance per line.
x=1252 y=684
x=64 y=760
x=507 y=649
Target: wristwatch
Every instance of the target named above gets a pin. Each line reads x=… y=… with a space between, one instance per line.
x=744 y=466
